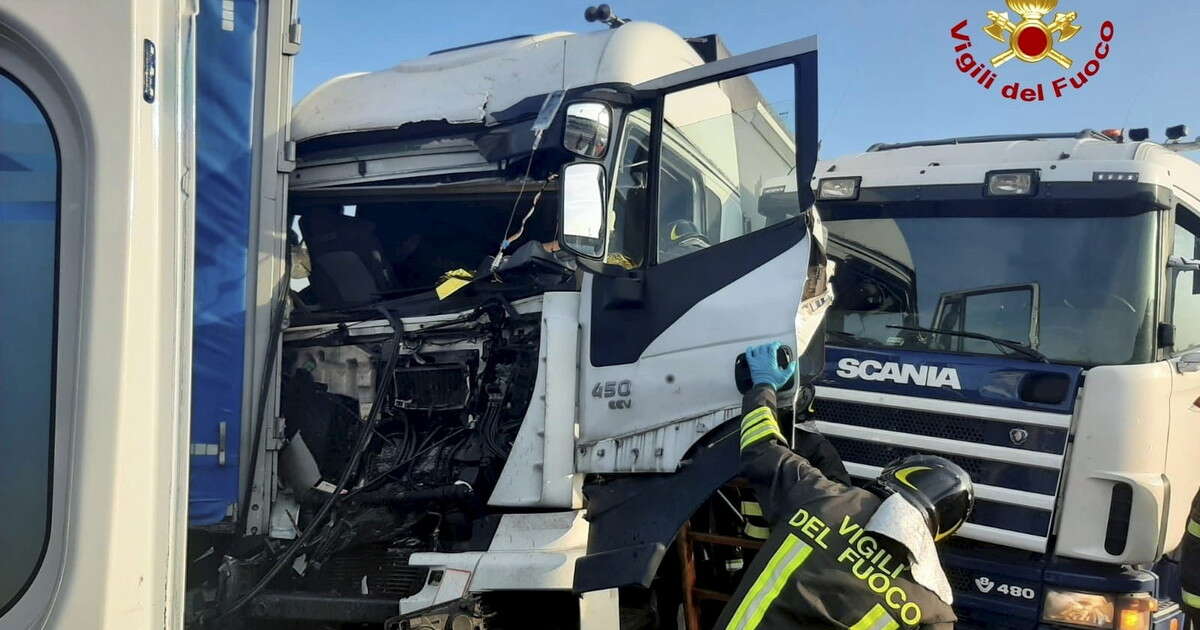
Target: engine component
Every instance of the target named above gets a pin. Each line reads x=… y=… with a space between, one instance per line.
x=449 y=404
x=439 y=387
x=369 y=571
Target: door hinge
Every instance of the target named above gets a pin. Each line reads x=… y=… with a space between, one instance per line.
x=277 y=437
x=287 y=161
x=291 y=43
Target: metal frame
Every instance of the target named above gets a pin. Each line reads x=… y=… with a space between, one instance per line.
x=274 y=157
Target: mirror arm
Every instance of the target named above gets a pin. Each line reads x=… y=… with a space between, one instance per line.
x=1179 y=263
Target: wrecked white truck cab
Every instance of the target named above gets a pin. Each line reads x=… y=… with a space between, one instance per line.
x=521 y=271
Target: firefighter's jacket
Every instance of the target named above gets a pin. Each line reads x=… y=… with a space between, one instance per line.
x=1190 y=565
x=819 y=568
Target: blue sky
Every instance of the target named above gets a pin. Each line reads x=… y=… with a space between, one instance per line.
x=887 y=75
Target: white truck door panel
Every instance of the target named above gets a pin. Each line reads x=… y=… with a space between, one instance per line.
x=687 y=371
x=112 y=82
x=656 y=371
x=1182 y=473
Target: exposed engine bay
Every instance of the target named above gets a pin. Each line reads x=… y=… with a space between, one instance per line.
x=441 y=401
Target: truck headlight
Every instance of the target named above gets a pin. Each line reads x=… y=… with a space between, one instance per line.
x=838 y=188
x=1134 y=611
x=1089 y=610
x=1012 y=183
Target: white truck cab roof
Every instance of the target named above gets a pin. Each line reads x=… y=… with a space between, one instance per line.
x=466 y=85
x=1062 y=157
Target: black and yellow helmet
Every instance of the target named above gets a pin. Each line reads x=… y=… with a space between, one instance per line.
x=683 y=230
x=938 y=487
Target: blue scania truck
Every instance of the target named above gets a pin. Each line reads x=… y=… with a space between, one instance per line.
x=1028 y=307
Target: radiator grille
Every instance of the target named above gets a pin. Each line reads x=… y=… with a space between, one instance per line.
x=386 y=571
x=941 y=425
x=1013 y=464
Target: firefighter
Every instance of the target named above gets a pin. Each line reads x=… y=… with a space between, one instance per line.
x=680 y=238
x=1190 y=566
x=839 y=556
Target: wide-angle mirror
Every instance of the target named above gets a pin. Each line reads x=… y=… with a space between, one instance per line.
x=583 y=213
x=587 y=129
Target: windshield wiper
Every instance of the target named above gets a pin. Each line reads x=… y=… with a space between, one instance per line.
x=849 y=336
x=1019 y=348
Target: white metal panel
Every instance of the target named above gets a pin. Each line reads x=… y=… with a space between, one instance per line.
x=968 y=411
x=467 y=86
x=121 y=445
x=1182 y=471
x=457 y=570
x=540 y=469
x=599 y=610
x=682 y=386
x=1120 y=437
x=1016 y=540
x=969 y=163
x=531 y=551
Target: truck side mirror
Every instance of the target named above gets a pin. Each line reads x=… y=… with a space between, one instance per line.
x=1179 y=264
x=587 y=129
x=582 y=213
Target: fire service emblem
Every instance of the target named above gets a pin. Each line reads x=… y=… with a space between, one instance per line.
x=1031 y=40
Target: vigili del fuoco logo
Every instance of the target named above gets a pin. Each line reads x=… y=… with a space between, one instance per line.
x=1030 y=38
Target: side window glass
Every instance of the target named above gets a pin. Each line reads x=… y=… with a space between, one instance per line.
x=728 y=161
x=29 y=215
x=1186 y=312
x=627 y=214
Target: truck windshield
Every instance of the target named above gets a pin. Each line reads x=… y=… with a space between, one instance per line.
x=356 y=249
x=1071 y=280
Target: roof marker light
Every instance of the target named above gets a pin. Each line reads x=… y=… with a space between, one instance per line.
x=1109 y=176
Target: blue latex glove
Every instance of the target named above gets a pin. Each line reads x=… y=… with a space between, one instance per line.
x=764 y=366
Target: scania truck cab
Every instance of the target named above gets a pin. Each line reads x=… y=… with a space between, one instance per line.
x=1029 y=307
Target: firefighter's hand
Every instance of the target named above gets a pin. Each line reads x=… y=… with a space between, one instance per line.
x=764 y=366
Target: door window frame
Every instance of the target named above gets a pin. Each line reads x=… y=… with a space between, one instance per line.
x=800 y=55
x=1189 y=219
x=31 y=70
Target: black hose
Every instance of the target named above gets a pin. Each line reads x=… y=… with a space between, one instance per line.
x=384 y=475
x=364 y=439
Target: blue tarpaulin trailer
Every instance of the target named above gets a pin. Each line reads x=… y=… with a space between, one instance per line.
x=226 y=80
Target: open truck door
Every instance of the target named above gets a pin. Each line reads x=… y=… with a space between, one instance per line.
x=95 y=216
x=712 y=169
x=143 y=146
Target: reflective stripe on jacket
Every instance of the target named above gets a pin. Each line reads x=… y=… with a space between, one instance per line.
x=819 y=568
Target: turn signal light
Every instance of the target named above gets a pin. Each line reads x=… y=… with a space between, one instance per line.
x=1134 y=612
